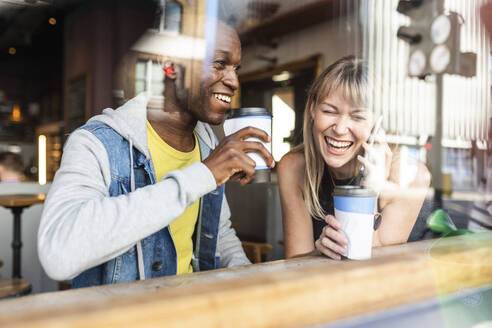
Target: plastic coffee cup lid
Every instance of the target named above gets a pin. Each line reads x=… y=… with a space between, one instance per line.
x=248 y=111
x=356 y=191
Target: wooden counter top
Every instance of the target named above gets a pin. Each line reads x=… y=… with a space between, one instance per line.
x=298 y=292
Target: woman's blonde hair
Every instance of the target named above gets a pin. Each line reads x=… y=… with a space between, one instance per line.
x=347 y=75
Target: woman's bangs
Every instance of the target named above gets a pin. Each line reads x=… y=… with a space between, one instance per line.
x=354 y=92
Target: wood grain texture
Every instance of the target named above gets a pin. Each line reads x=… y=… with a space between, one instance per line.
x=298 y=292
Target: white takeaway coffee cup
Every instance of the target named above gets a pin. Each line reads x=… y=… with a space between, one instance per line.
x=257 y=117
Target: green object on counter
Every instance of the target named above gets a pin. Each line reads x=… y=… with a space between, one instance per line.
x=439 y=221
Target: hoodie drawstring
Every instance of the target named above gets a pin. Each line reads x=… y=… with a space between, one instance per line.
x=141 y=268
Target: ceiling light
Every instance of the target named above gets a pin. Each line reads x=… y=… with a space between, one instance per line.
x=284 y=76
x=16 y=114
x=12 y=51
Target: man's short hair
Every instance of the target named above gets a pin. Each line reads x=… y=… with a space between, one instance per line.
x=12 y=162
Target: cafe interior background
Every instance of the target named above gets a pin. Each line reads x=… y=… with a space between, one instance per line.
x=63 y=61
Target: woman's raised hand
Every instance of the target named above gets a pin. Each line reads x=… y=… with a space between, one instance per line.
x=332 y=242
x=377 y=162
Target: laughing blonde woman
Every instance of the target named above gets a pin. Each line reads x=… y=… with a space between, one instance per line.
x=337 y=125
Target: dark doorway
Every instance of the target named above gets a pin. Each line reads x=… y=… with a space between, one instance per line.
x=286 y=84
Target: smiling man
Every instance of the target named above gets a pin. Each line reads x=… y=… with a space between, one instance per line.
x=140 y=193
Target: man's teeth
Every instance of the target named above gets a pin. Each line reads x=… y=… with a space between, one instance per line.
x=224 y=98
x=339 y=144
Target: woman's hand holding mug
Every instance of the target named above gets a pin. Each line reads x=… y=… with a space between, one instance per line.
x=332 y=242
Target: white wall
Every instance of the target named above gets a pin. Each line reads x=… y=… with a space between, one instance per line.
x=333 y=39
x=30 y=265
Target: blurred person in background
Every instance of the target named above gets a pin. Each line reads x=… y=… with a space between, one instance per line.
x=337 y=125
x=11 y=167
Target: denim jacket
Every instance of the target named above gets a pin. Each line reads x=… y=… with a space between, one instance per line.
x=100 y=225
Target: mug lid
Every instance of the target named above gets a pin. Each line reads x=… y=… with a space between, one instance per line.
x=248 y=111
x=353 y=191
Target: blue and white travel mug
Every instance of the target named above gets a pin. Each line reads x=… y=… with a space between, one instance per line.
x=354 y=208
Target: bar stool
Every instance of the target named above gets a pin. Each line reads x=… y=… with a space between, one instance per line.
x=255 y=250
x=17 y=203
x=14 y=287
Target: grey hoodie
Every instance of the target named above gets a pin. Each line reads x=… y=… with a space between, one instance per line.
x=82 y=226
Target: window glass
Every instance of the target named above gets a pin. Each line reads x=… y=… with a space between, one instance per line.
x=172 y=16
x=150 y=81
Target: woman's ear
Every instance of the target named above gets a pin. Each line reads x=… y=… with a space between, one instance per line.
x=311 y=111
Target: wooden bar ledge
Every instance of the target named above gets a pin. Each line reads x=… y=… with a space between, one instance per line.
x=298 y=292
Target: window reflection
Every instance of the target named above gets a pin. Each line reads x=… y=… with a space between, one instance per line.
x=99 y=54
x=172 y=16
x=149 y=78
x=169 y=16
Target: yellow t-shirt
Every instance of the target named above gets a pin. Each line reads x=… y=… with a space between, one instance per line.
x=166 y=159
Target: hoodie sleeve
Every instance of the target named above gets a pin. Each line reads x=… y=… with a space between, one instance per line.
x=229 y=247
x=82 y=226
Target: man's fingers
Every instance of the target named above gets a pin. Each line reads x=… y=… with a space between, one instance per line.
x=248 y=176
x=245 y=180
x=230 y=156
x=257 y=147
x=237 y=176
x=251 y=132
x=246 y=167
x=245 y=174
x=248 y=161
